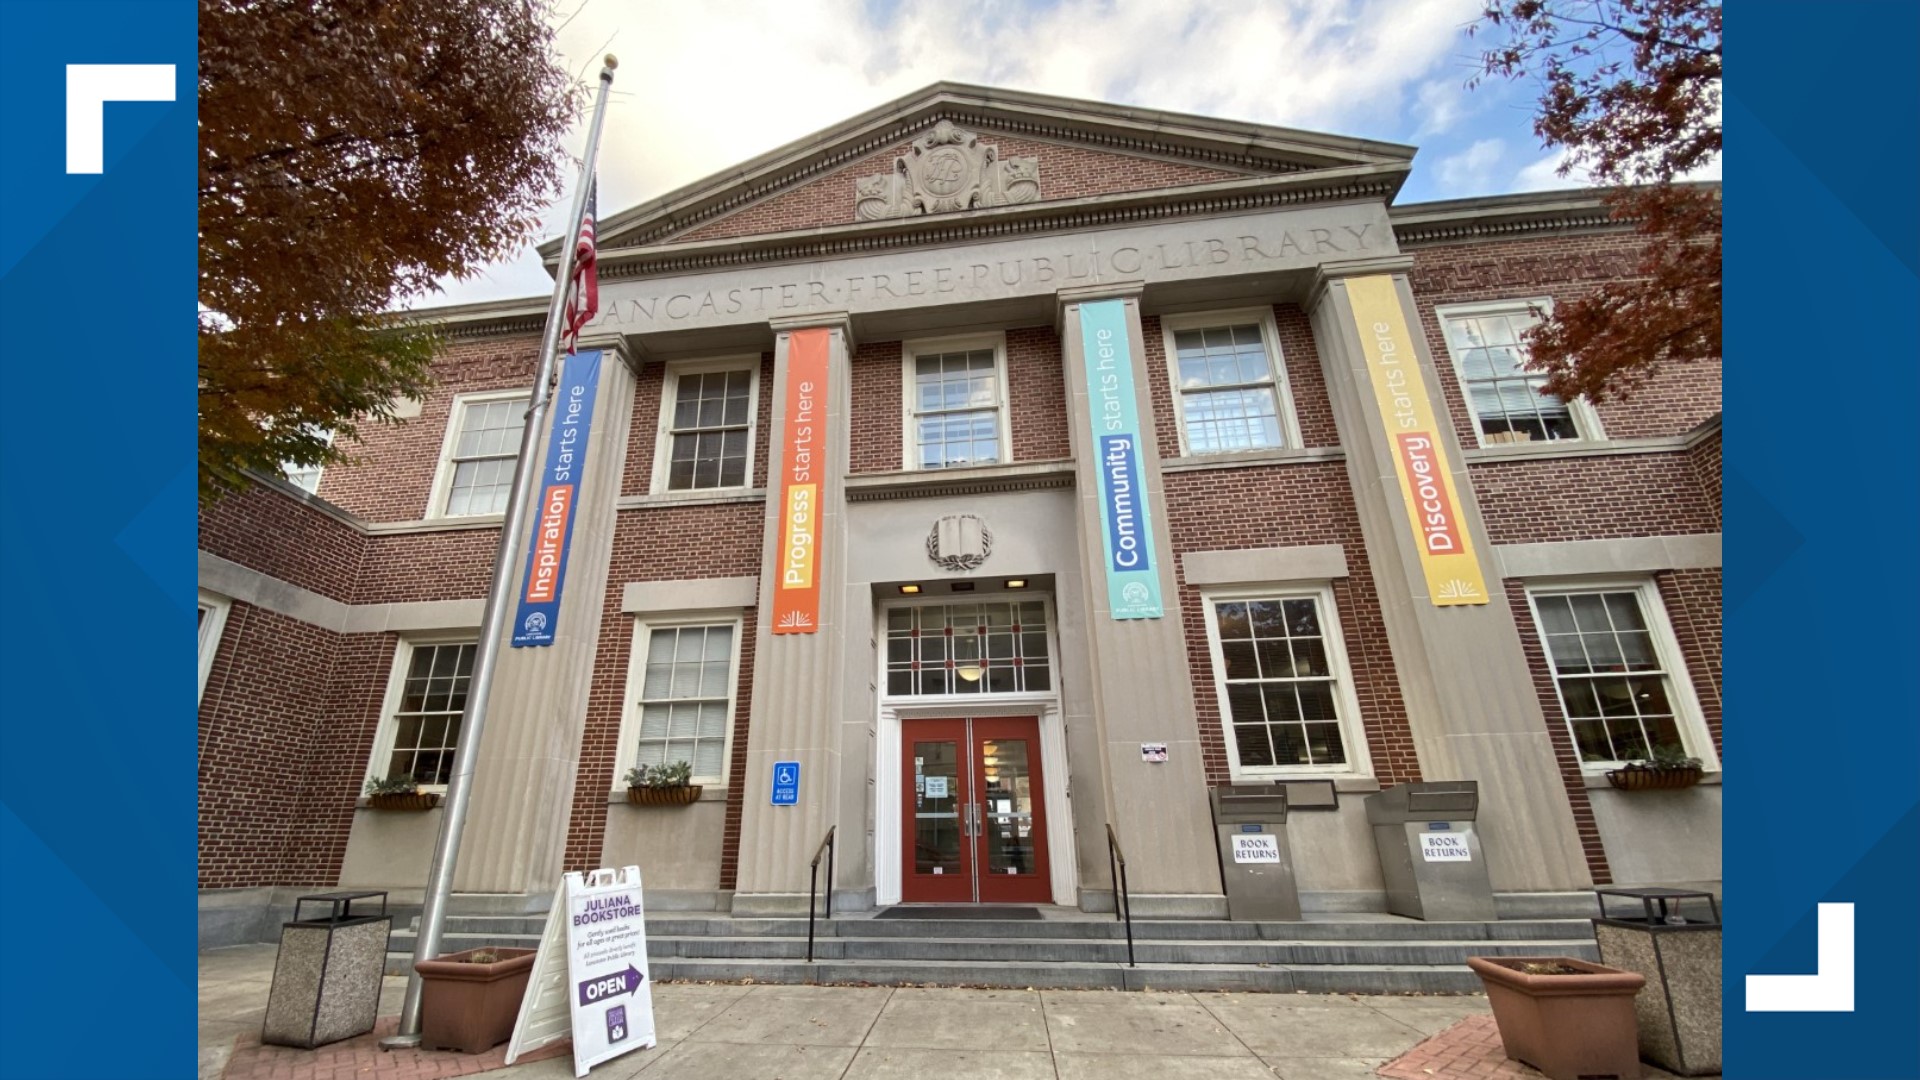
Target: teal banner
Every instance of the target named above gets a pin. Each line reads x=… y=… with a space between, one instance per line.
x=1133 y=585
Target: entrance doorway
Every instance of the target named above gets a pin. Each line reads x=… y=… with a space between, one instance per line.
x=973 y=816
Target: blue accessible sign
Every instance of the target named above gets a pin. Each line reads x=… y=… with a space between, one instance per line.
x=786 y=783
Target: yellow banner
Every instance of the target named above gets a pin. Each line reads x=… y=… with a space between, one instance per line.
x=1413 y=436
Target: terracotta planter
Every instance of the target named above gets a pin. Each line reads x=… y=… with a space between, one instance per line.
x=418 y=800
x=663 y=796
x=1632 y=779
x=1570 y=1027
x=471 y=1007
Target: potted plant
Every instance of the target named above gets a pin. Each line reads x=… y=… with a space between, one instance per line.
x=1568 y=1018
x=399 y=793
x=470 y=1000
x=662 y=785
x=1667 y=768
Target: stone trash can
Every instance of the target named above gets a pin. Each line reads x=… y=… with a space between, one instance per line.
x=326 y=980
x=1678 y=951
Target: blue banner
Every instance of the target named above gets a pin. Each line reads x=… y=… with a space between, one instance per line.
x=1133 y=586
x=559 y=496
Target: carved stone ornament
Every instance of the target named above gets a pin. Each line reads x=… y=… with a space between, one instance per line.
x=946 y=169
x=960 y=542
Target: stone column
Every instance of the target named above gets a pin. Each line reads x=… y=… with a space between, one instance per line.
x=516 y=834
x=1470 y=698
x=799 y=679
x=1142 y=690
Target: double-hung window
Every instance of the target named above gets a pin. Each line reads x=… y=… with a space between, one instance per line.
x=421 y=732
x=1286 y=698
x=707 y=419
x=956 y=403
x=476 y=464
x=1623 y=693
x=682 y=696
x=1490 y=355
x=1229 y=382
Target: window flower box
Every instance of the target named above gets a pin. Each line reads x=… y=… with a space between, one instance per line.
x=399 y=793
x=662 y=785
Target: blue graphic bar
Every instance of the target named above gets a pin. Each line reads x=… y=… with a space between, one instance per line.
x=559 y=498
x=1133 y=586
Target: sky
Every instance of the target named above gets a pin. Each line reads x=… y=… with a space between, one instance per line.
x=704 y=86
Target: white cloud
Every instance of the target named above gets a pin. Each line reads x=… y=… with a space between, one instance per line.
x=703 y=87
x=1471 y=170
x=1543 y=175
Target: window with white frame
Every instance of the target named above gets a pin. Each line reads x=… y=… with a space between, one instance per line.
x=956 y=404
x=307 y=477
x=213 y=620
x=707 y=418
x=682 y=692
x=990 y=647
x=476 y=464
x=422 y=729
x=1615 y=669
x=1229 y=382
x=1286 y=698
x=1490 y=355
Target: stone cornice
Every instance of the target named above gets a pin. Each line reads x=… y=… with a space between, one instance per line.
x=837 y=241
x=1235 y=145
x=1507 y=217
x=985 y=480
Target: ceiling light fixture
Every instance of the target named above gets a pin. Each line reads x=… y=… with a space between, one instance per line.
x=909 y=590
x=1017 y=583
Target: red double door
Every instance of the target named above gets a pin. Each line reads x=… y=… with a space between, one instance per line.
x=974 y=821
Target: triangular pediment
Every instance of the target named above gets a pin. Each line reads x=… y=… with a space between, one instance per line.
x=953 y=150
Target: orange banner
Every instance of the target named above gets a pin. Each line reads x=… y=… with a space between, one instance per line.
x=803 y=457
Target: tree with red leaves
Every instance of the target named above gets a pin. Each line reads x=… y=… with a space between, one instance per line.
x=352 y=153
x=1631 y=90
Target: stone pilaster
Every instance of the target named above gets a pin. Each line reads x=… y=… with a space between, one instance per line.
x=1470 y=699
x=1142 y=690
x=799 y=679
x=516 y=832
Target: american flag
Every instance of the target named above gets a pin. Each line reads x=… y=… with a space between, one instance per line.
x=583 y=290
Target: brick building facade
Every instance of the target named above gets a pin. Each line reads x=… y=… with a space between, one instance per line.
x=1294 y=638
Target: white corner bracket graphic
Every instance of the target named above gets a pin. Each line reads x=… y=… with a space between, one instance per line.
x=1829 y=989
x=89 y=88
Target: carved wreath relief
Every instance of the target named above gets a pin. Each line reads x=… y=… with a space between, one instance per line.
x=946 y=169
x=960 y=542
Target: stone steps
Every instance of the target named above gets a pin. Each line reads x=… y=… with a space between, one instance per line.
x=1344 y=955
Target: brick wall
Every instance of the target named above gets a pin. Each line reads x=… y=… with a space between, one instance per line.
x=1283 y=506
x=392 y=475
x=285 y=728
x=1595 y=498
x=661 y=544
x=1561 y=268
x=1066 y=172
x=284 y=538
x=877 y=422
x=1705 y=458
x=1037 y=395
x=1692 y=600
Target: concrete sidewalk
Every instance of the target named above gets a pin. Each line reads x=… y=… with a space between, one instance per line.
x=804 y=1032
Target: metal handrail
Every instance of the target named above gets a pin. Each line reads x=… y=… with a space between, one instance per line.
x=813 y=885
x=1122 y=903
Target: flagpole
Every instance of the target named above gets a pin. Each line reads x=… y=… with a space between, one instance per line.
x=446 y=850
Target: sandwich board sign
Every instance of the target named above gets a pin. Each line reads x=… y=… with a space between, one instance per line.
x=590 y=976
